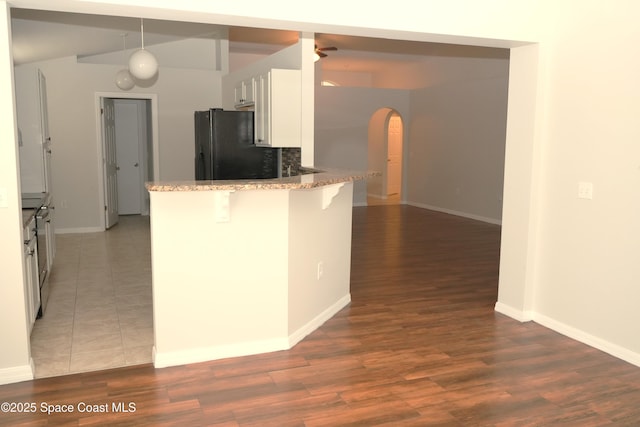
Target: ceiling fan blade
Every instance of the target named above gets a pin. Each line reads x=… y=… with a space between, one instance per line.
x=321 y=55
x=327 y=48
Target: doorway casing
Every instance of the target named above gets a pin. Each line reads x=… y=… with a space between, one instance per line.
x=379 y=151
x=155 y=166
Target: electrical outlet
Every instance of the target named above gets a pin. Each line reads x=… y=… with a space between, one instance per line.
x=585 y=190
x=320 y=268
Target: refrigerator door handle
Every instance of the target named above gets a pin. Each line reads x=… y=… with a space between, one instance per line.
x=200 y=167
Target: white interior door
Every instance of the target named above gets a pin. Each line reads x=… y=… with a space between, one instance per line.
x=110 y=163
x=394 y=155
x=46 y=137
x=130 y=179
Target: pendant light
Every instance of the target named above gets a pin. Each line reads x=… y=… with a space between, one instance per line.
x=142 y=64
x=124 y=79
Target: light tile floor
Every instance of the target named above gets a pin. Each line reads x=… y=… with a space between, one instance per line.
x=100 y=311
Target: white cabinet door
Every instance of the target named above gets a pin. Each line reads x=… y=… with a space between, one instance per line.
x=238 y=94
x=278 y=108
x=32 y=283
x=46 y=137
x=51 y=243
x=33 y=125
x=245 y=93
x=285 y=107
x=110 y=162
x=249 y=90
x=261 y=111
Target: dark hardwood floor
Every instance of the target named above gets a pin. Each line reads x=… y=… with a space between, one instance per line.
x=419 y=345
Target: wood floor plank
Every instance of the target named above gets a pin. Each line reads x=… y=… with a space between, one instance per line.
x=419 y=345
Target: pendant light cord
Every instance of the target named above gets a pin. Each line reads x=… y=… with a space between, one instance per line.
x=142 y=31
x=124 y=45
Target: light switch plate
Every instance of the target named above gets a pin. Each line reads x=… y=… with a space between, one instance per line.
x=585 y=190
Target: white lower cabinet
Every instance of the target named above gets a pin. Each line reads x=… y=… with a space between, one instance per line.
x=51 y=236
x=32 y=282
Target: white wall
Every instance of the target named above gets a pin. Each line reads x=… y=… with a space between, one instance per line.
x=15 y=357
x=587 y=271
x=71 y=91
x=342 y=126
x=311 y=299
x=219 y=290
x=571 y=115
x=454 y=133
x=247 y=285
x=456 y=146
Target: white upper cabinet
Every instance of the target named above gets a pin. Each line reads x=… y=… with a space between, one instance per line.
x=245 y=93
x=277 y=108
x=33 y=130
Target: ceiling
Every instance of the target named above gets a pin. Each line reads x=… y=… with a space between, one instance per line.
x=41 y=35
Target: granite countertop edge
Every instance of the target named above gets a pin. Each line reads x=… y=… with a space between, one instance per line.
x=318 y=178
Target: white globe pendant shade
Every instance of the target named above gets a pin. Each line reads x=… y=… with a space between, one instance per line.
x=143 y=65
x=124 y=80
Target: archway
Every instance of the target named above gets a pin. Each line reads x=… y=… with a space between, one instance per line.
x=385 y=148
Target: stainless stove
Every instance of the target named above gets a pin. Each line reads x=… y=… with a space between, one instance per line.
x=41 y=203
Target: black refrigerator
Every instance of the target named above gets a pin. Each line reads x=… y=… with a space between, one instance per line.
x=225 y=147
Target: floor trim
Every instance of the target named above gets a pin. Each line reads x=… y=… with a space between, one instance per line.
x=203 y=354
x=571 y=332
x=16 y=374
x=319 y=320
x=457 y=213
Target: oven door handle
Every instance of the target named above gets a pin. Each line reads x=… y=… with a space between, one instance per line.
x=43 y=214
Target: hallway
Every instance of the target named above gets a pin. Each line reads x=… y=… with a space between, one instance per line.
x=100 y=312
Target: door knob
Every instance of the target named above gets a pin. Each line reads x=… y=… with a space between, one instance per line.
x=136 y=165
x=117 y=168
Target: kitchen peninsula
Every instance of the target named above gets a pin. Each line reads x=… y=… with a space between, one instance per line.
x=248 y=266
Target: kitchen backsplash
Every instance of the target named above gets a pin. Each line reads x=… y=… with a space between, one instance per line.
x=291 y=157
x=269 y=161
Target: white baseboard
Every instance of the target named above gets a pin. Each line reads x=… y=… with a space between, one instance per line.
x=571 y=332
x=79 y=230
x=204 y=354
x=588 y=339
x=519 y=315
x=456 y=213
x=17 y=374
x=319 y=320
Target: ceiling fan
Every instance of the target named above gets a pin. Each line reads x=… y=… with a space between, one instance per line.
x=319 y=51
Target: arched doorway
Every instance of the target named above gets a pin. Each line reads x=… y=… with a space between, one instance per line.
x=385 y=148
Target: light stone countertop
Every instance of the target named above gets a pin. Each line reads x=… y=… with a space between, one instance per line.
x=299 y=182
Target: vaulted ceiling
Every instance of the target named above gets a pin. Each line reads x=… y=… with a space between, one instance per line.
x=40 y=35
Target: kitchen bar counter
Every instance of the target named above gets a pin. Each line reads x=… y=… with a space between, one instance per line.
x=309 y=178
x=248 y=266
